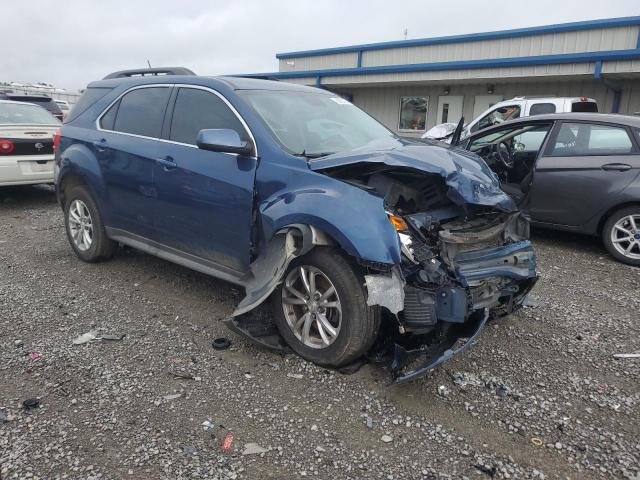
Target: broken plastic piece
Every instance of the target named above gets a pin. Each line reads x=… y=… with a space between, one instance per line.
x=35 y=356
x=227 y=441
x=208 y=424
x=221 y=343
x=385 y=291
x=627 y=355
x=85 y=338
x=115 y=338
x=536 y=441
x=31 y=404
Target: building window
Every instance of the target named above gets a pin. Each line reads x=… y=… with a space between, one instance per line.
x=413 y=114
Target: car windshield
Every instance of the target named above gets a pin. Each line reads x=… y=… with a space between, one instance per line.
x=25 y=114
x=314 y=124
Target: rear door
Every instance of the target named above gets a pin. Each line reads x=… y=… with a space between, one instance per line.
x=205 y=199
x=127 y=146
x=584 y=165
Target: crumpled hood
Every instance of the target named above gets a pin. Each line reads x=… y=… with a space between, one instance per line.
x=468 y=176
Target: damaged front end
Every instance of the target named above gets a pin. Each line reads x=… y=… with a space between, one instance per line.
x=463 y=261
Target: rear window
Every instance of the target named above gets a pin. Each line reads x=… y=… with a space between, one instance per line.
x=578 y=139
x=25 y=114
x=88 y=98
x=584 y=107
x=542 y=108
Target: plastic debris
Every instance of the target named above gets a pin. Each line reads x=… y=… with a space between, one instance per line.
x=85 y=338
x=502 y=390
x=114 y=338
x=369 y=421
x=386 y=438
x=297 y=376
x=221 y=343
x=627 y=355
x=208 y=424
x=443 y=391
x=31 y=404
x=536 y=441
x=253 y=449
x=227 y=441
x=35 y=356
x=172 y=396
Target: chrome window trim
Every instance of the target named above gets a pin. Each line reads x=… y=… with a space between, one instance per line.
x=178 y=85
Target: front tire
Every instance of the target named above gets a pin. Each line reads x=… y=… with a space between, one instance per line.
x=84 y=226
x=321 y=309
x=621 y=235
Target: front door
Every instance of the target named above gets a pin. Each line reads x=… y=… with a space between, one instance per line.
x=126 y=147
x=204 y=199
x=582 y=165
x=449 y=109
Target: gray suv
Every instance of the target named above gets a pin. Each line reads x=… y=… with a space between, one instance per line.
x=572 y=171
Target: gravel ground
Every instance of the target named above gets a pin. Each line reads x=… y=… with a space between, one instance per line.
x=539 y=396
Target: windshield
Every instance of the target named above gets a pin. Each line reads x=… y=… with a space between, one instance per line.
x=25 y=114
x=314 y=124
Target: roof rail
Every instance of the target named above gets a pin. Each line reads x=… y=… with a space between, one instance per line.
x=150 y=71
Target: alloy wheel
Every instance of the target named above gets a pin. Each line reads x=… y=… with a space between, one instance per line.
x=625 y=236
x=80 y=225
x=311 y=306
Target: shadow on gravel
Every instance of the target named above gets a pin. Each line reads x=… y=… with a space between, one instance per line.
x=27 y=196
x=570 y=240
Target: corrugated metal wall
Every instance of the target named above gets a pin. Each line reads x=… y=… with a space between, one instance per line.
x=383 y=103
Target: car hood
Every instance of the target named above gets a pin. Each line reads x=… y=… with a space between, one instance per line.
x=468 y=177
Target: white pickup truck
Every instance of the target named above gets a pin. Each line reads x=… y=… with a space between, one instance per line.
x=515 y=108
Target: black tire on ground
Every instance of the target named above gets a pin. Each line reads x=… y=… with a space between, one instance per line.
x=101 y=247
x=360 y=323
x=608 y=227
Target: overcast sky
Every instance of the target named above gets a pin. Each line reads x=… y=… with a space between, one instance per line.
x=71 y=42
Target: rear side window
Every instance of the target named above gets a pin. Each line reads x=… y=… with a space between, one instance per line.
x=542 y=108
x=591 y=139
x=584 y=107
x=89 y=97
x=141 y=111
x=196 y=110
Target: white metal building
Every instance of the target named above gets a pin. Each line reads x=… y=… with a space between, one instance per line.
x=412 y=85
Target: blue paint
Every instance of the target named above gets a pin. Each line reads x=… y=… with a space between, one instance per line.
x=359 y=58
x=515 y=33
x=319 y=81
x=597 y=73
x=615 y=106
x=638 y=41
x=557 y=59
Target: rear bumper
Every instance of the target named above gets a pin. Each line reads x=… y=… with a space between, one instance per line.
x=25 y=170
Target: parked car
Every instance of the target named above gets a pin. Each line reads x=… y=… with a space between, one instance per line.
x=44 y=101
x=574 y=171
x=361 y=238
x=517 y=107
x=26 y=143
x=64 y=107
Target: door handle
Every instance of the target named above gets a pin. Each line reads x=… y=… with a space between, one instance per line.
x=620 y=167
x=168 y=163
x=101 y=145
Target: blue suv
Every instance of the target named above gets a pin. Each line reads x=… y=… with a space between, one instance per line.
x=366 y=242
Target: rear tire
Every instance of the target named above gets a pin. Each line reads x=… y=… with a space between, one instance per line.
x=84 y=226
x=342 y=327
x=621 y=235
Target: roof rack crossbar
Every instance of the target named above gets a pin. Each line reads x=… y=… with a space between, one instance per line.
x=150 y=71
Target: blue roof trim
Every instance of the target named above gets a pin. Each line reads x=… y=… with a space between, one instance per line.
x=583 y=57
x=519 y=32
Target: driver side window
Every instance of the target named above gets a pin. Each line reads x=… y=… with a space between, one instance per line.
x=498 y=115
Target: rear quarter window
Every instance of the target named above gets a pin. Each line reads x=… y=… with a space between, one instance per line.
x=89 y=97
x=542 y=108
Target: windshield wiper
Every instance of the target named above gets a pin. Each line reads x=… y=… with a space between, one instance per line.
x=311 y=156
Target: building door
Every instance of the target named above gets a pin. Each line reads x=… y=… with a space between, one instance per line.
x=449 y=109
x=483 y=102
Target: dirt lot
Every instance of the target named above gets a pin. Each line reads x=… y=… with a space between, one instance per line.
x=539 y=396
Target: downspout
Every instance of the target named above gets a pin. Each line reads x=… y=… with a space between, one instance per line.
x=617 y=91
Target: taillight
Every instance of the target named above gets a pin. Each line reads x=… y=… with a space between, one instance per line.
x=56 y=139
x=6 y=146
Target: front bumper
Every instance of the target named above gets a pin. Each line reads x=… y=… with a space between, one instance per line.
x=490 y=282
x=25 y=170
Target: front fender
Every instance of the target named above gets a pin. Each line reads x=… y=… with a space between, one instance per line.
x=353 y=217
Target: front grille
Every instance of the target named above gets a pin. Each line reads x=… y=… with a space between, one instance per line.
x=27 y=146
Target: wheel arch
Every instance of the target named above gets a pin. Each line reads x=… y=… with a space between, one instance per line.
x=606 y=215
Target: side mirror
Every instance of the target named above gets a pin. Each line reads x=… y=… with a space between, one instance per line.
x=223 y=140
